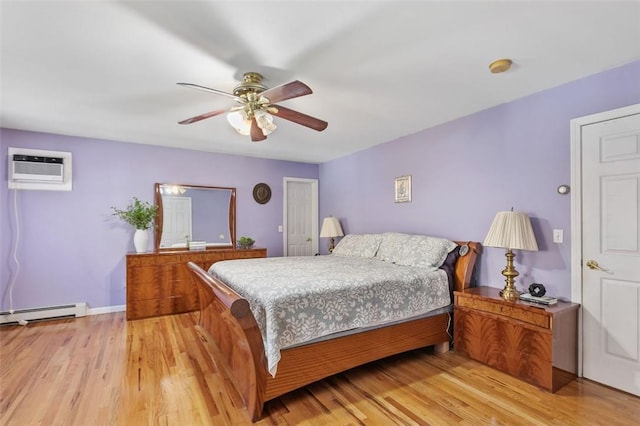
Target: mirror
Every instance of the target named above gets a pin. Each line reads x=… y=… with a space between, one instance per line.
x=189 y=213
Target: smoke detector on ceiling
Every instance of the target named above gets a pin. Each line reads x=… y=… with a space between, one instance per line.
x=500 y=65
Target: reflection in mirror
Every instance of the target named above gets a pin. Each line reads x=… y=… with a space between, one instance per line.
x=189 y=213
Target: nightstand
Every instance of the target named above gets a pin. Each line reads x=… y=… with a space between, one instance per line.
x=535 y=343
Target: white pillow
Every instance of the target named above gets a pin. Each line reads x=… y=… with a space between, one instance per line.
x=358 y=245
x=414 y=250
x=391 y=246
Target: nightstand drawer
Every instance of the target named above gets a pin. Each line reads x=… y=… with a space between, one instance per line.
x=535 y=316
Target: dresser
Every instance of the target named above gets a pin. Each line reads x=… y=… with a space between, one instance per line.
x=160 y=283
x=535 y=343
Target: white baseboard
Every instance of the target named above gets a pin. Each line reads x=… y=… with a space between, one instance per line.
x=106 y=309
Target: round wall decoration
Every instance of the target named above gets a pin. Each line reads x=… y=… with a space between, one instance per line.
x=262 y=193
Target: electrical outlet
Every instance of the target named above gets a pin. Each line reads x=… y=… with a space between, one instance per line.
x=558 y=236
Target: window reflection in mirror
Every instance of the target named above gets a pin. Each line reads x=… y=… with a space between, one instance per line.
x=194 y=213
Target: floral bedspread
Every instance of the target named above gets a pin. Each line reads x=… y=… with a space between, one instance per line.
x=297 y=299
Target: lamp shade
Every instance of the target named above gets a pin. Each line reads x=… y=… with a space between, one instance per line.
x=240 y=121
x=511 y=230
x=331 y=228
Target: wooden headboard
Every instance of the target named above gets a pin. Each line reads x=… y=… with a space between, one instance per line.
x=463 y=271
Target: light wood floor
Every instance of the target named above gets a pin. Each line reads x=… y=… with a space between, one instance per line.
x=103 y=370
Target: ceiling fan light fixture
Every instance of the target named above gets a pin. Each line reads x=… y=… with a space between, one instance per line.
x=257 y=106
x=265 y=121
x=241 y=122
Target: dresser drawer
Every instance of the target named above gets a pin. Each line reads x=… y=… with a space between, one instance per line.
x=159 y=306
x=532 y=315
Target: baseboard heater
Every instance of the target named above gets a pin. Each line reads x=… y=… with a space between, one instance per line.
x=47 y=312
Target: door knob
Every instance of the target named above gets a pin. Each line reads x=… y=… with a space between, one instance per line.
x=592 y=264
x=309 y=239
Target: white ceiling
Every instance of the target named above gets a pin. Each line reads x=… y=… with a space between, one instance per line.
x=379 y=69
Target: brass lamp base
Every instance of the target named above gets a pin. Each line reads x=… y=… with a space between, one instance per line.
x=331 y=244
x=510 y=292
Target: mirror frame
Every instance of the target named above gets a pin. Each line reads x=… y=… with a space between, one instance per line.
x=159 y=216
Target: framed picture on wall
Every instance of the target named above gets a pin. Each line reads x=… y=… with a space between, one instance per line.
x=403 y=189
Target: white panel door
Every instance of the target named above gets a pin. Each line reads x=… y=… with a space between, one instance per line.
x=611 y=252
x=176 y=221
x=301 y=217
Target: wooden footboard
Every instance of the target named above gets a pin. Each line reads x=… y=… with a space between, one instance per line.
x=235 y=342
x=233 y=338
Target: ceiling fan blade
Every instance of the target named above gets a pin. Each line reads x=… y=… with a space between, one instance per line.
x=290 y=90
x=256 y=132
x=300 y=118
x=208 y=89
x=203 y=116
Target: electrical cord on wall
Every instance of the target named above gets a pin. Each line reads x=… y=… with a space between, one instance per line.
x=14 y=255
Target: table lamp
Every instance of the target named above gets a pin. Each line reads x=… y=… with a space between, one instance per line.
x=512 y=231
x=331 y=229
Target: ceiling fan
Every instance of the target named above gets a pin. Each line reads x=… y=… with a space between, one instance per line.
x=257 y=106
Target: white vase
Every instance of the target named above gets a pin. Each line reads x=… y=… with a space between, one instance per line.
x=141 y=240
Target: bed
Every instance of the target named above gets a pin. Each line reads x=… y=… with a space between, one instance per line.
x=234 y=327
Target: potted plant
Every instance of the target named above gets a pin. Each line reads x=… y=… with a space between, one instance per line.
x=245 y=242
x=140 y=215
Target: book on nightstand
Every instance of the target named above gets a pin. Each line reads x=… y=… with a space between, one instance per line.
x=544 y=300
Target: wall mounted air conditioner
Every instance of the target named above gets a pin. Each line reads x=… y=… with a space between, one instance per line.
x=39 y=169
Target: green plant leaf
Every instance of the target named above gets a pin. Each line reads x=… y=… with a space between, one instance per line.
x=139 y=214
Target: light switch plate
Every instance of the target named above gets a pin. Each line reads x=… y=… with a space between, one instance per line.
x=558 y=236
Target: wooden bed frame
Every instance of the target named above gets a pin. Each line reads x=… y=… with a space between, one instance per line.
x=233 y=339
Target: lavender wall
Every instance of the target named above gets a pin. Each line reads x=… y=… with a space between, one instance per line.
x=71 y=249
x=463 y=172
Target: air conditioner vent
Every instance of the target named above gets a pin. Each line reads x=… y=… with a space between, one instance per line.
x=33 y=168
x=41 y=170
